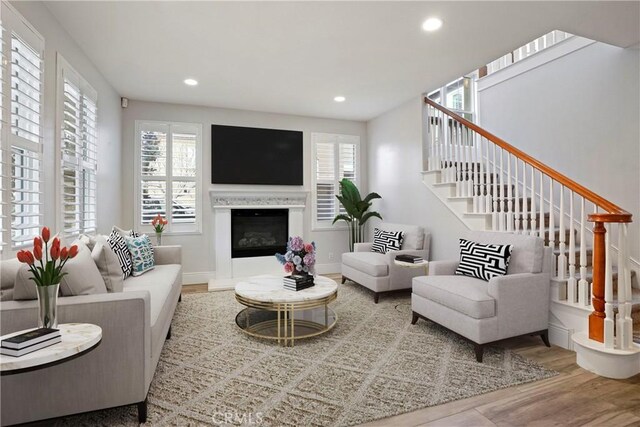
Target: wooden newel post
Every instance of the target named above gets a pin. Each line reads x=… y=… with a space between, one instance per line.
x=596 y=318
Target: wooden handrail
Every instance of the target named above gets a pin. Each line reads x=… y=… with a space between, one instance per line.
x=613 y=212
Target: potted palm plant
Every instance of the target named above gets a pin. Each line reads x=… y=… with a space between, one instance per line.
x=357 y=210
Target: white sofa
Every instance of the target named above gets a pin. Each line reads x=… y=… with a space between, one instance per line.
x=484 y=312
x=135 y=324
x=377 y=271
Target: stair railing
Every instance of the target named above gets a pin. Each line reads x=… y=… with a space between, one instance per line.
x=519 y=194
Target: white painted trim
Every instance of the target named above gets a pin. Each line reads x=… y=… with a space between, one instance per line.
x=560 y=336
x=197 y=277
x=545 y=56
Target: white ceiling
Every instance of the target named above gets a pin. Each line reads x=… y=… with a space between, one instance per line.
x=294 y=57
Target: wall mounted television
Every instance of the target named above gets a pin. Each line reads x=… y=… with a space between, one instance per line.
x=244 y=155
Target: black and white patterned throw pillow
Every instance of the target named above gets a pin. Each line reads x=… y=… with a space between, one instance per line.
x=119 y=246
x=483 y=261
x=385 y=241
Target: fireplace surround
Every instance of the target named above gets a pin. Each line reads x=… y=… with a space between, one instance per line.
x=229 y=269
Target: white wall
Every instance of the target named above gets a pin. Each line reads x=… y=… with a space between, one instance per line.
x=578 y=114
x=198 y=254
x=109 y=117
x=395 y=163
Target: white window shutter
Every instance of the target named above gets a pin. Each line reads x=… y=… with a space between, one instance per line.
x=325 y=181
x=78 y=152
x=21 y=142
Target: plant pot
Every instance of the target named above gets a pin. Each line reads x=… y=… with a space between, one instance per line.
x=48 y=306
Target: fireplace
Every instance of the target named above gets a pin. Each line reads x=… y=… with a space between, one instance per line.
x=259 y=232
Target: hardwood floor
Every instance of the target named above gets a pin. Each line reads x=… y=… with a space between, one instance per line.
x=575 y=397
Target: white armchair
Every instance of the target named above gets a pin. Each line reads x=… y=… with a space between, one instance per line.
x=378 y=272
x=484 y=312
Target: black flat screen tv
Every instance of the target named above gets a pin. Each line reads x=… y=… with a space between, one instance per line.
x=243 y=155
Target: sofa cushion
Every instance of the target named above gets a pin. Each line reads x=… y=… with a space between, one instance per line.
x=413 y=235
x=371 y=263
x=483 y=261
x=141 y=254
x=24 y=288
x=82 y=275
x=158 y=282
x=463 y=294
x=119 y=246
x=107 y=262
x=385 y=241
x=8 y=273
x=527 y=252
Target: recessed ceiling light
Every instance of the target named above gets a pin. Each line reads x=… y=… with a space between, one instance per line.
x=432 y=24
x=190 y=82
x=339 y=99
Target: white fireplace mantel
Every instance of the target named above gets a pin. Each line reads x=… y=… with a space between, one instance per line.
x=231 y=199
x=229 y=270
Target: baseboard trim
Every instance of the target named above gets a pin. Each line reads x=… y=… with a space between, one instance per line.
x=197 y=278
x=560 y=336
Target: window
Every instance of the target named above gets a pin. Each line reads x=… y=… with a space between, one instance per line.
x=334 y=157
x=169 y=170
x=21 y=128
x=77 y=145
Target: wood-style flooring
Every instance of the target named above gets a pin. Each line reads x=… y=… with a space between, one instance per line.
x=576 y=397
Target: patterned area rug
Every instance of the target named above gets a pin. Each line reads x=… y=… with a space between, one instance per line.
x=373 y=364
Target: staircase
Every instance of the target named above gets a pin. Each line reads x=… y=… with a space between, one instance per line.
x=491 y=185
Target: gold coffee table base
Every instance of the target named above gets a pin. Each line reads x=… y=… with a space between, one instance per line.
x=286 y=322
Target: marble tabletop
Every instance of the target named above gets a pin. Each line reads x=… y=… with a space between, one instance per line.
x=269 y=288
x=76 y=338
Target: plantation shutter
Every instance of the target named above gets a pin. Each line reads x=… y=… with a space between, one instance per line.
x=170 y=174
x=5 y=159
x=22 y=80
x=335 y=158
x=325 y=181
x=153 y=171
x=79 y=152
x=183 y=173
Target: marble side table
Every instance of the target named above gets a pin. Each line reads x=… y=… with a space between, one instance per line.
x=77 y=339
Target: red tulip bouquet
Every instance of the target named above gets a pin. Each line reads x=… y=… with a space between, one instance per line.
x=46 y=264
x=51 y=261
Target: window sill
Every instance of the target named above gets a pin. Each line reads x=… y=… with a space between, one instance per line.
x=329 y=228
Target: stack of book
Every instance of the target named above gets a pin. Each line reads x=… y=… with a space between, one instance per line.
x=411 y=259
x=297 y=282
x=25 y=343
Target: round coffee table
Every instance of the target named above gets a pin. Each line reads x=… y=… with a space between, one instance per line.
x=77 y=340
x=279 y=314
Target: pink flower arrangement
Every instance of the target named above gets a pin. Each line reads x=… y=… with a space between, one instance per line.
x=299 y=258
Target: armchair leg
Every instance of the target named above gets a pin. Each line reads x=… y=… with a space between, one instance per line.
x=479 y=348
x=376 y=297
x=414 y=318
x=344 y=279
x=169 y=333
x=545 y=337
x=142 y=412
x=180 y=298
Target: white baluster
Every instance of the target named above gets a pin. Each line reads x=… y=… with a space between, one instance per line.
x=501 y=199
x=472 y=160
x=584 y=293
x=533 y=202
x=494 y=196
x=541 y=214
x=562 y=247
x=525 y=203
x=477 y=197
x=572 y=283
x=516 y=205
x=552 y=226
x=459 y=160
x=509 y=214
x=609 y=321
x=625 y=322
x=488 y=199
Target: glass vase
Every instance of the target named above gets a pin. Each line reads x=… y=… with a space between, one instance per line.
x=48 y=306
x=159 y=238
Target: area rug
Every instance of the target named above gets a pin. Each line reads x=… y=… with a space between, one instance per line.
x=373 y=364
